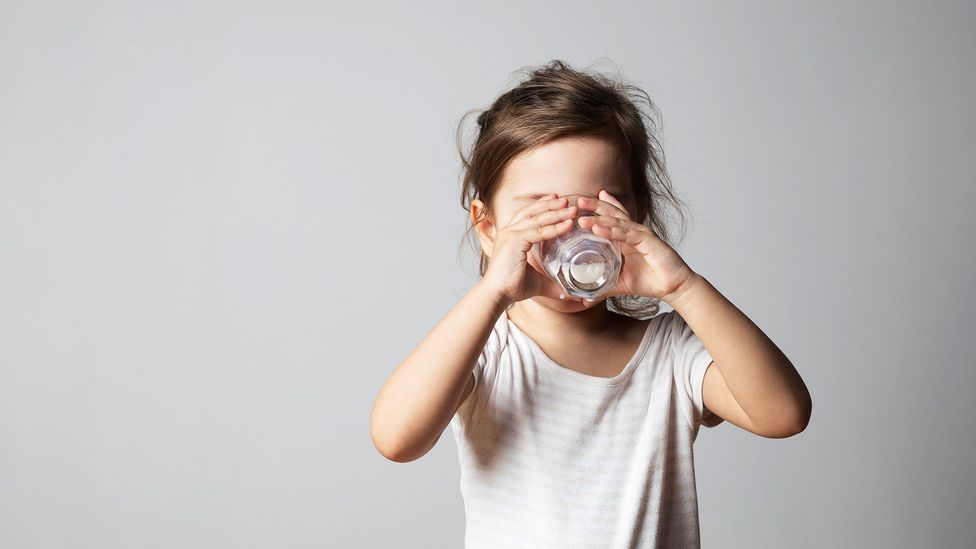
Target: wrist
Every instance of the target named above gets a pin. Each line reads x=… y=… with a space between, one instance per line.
x=498 y=300
x=685 y=291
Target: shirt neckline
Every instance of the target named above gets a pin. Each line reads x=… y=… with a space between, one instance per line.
x=558 y=368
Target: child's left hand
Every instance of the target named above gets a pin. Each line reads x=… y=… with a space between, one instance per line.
x=651 y=267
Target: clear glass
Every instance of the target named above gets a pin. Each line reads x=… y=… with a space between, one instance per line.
x=582 y=263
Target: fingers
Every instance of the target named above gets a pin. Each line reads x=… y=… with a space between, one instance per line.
x=602 y=207
x=543 y=204
x=607 y=197
x=620 y=230
x=550 y=217
x=606 y=214
x=545 y=232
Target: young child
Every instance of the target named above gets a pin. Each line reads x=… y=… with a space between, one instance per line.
x=575 y=419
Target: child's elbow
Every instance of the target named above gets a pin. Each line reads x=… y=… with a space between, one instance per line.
x=399 y=453
x=385 y=443
x=393 y=454
x=393 y=447
x=804 y=410
x=792 y=422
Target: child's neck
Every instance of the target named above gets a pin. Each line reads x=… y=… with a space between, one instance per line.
x=591 y=321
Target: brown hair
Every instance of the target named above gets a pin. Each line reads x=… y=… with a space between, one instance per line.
x=557 y=101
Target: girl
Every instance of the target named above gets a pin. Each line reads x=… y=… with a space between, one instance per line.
x=575 y=420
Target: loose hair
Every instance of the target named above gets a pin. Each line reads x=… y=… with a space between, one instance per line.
x=556 y=101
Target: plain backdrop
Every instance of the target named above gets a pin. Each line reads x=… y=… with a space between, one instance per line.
x=223 y=224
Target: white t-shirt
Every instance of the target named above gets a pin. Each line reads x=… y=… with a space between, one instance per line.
x=555 y=458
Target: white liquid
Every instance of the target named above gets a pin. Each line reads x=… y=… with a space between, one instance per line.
x=587 y=273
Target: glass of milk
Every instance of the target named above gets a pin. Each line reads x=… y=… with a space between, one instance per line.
x=582 y=263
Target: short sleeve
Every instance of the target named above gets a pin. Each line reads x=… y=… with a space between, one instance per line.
x=484 y=371
x=691 y=360
x=489 y=353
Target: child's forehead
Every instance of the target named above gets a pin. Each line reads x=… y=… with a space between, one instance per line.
x=570 y=165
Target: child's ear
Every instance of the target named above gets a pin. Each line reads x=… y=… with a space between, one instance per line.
x=486 y=228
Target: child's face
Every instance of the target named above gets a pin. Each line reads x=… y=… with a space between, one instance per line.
x=568 y=165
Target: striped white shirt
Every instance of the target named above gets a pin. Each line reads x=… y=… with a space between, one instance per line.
x=554 y=458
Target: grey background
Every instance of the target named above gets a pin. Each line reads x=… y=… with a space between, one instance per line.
x=222 y=225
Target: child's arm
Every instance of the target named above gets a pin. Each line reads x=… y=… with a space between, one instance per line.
x=754 y=385
x=417 y=401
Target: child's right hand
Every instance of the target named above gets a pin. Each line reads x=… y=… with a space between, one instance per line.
x=513 y=271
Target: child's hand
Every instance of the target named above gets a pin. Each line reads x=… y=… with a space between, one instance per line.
x=650 y=267
x=512 y=270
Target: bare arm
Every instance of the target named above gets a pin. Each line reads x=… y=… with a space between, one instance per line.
x=417 y=401
x=750 y=382
x=419 y=398
x=753 y=384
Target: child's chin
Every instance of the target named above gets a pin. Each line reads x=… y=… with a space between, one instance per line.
x=570 y=304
